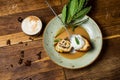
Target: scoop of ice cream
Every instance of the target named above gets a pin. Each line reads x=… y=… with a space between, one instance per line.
x=31 y=25
x=77 y=42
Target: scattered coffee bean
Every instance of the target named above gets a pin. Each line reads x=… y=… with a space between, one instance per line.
x=20 y=61
x=28 y=63
x=8 y=42
x=30 y=78
x=31 y=38
x=20 y=19
x=39 y=55
x=22 y=54
x=11 y=65
x=20 y=43
x=26 y=44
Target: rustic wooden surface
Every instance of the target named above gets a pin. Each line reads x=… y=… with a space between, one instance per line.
x=106 y=67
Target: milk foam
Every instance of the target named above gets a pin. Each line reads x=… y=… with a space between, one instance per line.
x=31 y=25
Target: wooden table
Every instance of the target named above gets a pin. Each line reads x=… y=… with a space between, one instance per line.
x=23 y=57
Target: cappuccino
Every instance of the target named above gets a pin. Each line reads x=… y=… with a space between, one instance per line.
x=31 y=25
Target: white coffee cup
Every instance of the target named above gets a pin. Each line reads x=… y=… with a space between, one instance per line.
x=31 y=25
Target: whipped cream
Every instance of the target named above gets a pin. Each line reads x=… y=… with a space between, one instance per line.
x=31 y=25
x=74 y=43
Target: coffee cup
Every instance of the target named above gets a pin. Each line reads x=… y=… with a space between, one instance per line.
x=31 y=25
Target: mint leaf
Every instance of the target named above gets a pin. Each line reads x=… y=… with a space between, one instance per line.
x=72 y=9
x=82 y=13
x=81 y=4
x=64 y=12
x=77 y=41
x=57 y=40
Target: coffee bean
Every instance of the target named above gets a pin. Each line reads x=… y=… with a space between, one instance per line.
x=20 y=61
x=11 y=65
x=22 y=54
x=8 y=42
x=20 y=42
x=26 y=44
x=28 y=63
x=39 y=55
x=31 y=38
x=20 y=19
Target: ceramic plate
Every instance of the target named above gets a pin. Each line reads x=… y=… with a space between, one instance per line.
x=95 y=38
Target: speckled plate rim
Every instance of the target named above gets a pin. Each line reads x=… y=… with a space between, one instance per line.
x=101 y=42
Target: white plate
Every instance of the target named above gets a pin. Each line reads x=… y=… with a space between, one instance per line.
x=95 y=38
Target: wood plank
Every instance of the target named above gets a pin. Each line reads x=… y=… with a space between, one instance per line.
x=19 y=73
x=50 y=75
x=104 y=12
x=106 y=15
x=10 y=68
x=9 y=24
x=106 y=67
x=110 y=30
x=18 y=6
x=16 y=38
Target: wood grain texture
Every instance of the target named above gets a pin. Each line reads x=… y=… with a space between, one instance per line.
x=106 y=15
x=106 y=67
x=10 y=24
x=16 y=38
x=10 y=55
x=10 y=29
x=19 y=6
